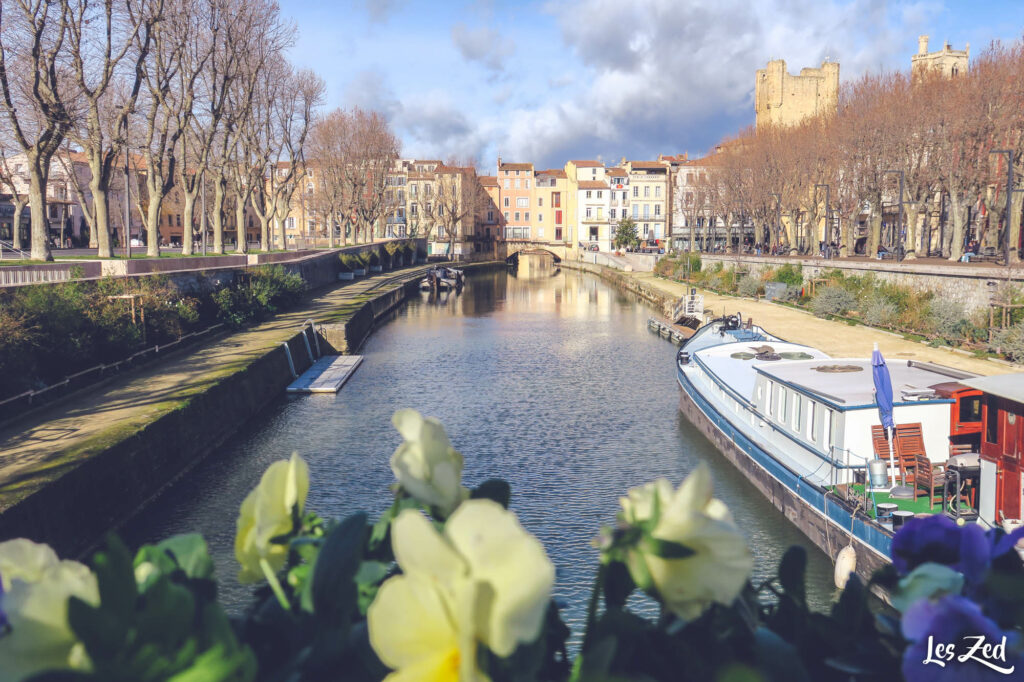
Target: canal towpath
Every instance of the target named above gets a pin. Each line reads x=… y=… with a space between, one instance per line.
x=40 y=447
x=838 y=339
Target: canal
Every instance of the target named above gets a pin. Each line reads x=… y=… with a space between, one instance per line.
x=546 y=377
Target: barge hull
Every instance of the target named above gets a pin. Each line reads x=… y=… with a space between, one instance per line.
x=825 y=534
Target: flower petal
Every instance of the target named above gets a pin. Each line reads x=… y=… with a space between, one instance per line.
x=420 y=550
x=512 y=563
x=25 y=560
x=409 y=625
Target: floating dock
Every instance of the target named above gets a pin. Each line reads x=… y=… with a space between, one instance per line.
x=327 y=375
x=675 y=333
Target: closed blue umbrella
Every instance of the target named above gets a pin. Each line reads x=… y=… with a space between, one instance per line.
x=883 y=392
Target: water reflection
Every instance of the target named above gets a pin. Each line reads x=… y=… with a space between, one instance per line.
x=544 y=376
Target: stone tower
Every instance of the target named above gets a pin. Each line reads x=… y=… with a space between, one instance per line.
x=783 y=99
x=947 y=61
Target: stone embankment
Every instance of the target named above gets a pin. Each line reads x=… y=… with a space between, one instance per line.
x=74 y=470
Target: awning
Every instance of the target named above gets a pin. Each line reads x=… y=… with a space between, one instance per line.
x=1009 y=386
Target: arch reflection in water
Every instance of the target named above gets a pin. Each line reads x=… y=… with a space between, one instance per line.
x=544 y=376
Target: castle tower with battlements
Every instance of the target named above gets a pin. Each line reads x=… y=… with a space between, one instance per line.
x=947 y=61
x=783 y=99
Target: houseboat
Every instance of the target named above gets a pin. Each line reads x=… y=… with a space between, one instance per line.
x=806 y=430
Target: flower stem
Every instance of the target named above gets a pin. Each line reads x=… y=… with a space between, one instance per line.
x=275 y=585
x=595 y=597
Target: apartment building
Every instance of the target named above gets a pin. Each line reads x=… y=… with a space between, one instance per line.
x=648 y=197
x=618 y=205
x=516 y=195
x=549 y=197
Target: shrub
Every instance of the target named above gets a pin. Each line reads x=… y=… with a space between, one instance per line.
x=749 y=286
x=789 y=274
x=351 y=261
x=1010 y=342
x=832 y=300
x=880 y=312
x=393 y=247
x=947 y=318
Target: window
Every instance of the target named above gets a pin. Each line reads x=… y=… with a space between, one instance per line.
x=797 y=405
x=970 y=409
x=517 y=216
x=540 y=201
x=636 y=211
x=413 y=209
x=782 y=404
x=593 y=234
x=599 y=213
x=412 y=190
x=506 y=216
x=527 y=184
x=636 y=190
x=588 y=211
x=440 y=232
x=771 y=394
x=689 y=178
x=540 y=233
x=991 y=420
x=830 y=436
x=624 y=195
x=556 y=199
x=540 y=217
x=517 y=173
x=558 y=217
x=647 y=191
x=647 y=211
x=689 y=198
x=440 y=209
x=611 y=214
x=522 y=202
x=657 y=192
x=290 y=223
x=178 y=218
x=506 y=202
x=506 y=181
x=657 y=210
x=490 y=216
x=517 y=181
x=558 y=234
x=593 y=171
x=647 y=229
x=427 y=188
x=526 y=216
x=599 y=193
x=588 y=194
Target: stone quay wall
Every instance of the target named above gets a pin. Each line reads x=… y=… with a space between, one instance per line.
x=971 y=286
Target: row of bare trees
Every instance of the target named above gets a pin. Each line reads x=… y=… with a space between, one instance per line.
x=933 y=135
x=199 y=91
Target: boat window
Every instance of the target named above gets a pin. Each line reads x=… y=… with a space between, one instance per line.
x=831 y=429
x=810 y=420
x=826 y=427
x=797 y=404
x=771 y=392
x=991 y=421
x=970 y=409
x=782 y=405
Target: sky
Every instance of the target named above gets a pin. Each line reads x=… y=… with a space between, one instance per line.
x=547 y=81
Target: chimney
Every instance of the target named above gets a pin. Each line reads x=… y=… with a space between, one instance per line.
x=922 y=44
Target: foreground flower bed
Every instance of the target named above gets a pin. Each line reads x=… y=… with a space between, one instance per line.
x=448 y=585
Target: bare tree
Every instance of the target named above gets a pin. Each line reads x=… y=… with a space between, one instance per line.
x=455 y=203
x=371 y=148
x=13 y=178
x=33 y=87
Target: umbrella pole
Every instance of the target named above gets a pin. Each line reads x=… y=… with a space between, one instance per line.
x=892 y=458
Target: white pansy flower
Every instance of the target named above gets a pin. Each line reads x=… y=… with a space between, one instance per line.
x=425 y=464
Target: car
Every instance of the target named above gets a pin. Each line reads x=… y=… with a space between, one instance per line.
x=136 y=242
x=593 y=247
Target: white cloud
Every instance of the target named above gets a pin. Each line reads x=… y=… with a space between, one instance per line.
x=484 y=45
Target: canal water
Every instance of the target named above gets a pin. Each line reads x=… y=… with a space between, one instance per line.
x=546 y=377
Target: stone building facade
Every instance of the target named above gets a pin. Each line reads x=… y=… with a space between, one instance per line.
x=947 y=61
x=783 y=99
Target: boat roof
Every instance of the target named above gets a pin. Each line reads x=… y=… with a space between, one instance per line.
x=1009 y=386
x=735 y=363
x=848 y=382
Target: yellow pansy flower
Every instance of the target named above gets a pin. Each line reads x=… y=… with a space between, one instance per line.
x=267 y=513
x=425 y=464
x=484 y=581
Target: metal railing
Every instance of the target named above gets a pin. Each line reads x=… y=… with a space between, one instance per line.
x=9 y=246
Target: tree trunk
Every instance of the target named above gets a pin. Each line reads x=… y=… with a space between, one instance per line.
x=874 y=228
x=19 y=207
x=187 y=216
x=153 y=228
x=957 y=212
x=790 y=231
x=264 y=233
x=242 y=241
x=913 y=215
x=38 y=174
x=218 y=215
x=1016 y=205
x=283 y=245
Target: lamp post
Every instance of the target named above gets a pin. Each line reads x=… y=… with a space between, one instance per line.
x=899 y=219
x=202 y=219
x=828 y=225
x=778 y=212
x=1009 y=204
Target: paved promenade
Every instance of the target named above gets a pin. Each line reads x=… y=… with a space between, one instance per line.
x=838 y=339
x=40 y=446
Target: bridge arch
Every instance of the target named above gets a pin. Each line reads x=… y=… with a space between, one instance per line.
x=525 y=246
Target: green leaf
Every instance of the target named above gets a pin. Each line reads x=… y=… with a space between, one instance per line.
x=792 y=571
x=493 y=489
x=166 y=614
x=191 y=554
x=665 y=549
x=218 y=665
x=115 y=577
x=98 y=629
x=334 y=588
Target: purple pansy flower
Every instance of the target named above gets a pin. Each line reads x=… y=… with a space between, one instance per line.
x=967 y=549
x=933 y=626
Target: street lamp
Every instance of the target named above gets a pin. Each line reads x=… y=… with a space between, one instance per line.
x=899 y=218
x=1009 y=205
x=778 y=212
x=828 y=224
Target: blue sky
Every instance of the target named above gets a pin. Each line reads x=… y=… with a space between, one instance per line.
x=547 y=81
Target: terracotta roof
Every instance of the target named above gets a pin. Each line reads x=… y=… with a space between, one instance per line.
x=615 y=171
x=488 y=181
x=586 y=164
x=646 y=164
x=593 y=184
x=516 y=166
x=553 y=172
x=433 y=161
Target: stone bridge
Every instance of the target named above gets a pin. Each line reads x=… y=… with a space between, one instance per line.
x=511 y=248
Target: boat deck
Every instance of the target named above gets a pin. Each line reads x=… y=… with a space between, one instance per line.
x=918 y=506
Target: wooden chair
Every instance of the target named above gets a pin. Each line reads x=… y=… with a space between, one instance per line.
x=908 y=443
x=960 y=449
x=930 y=478
x=880 y=444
